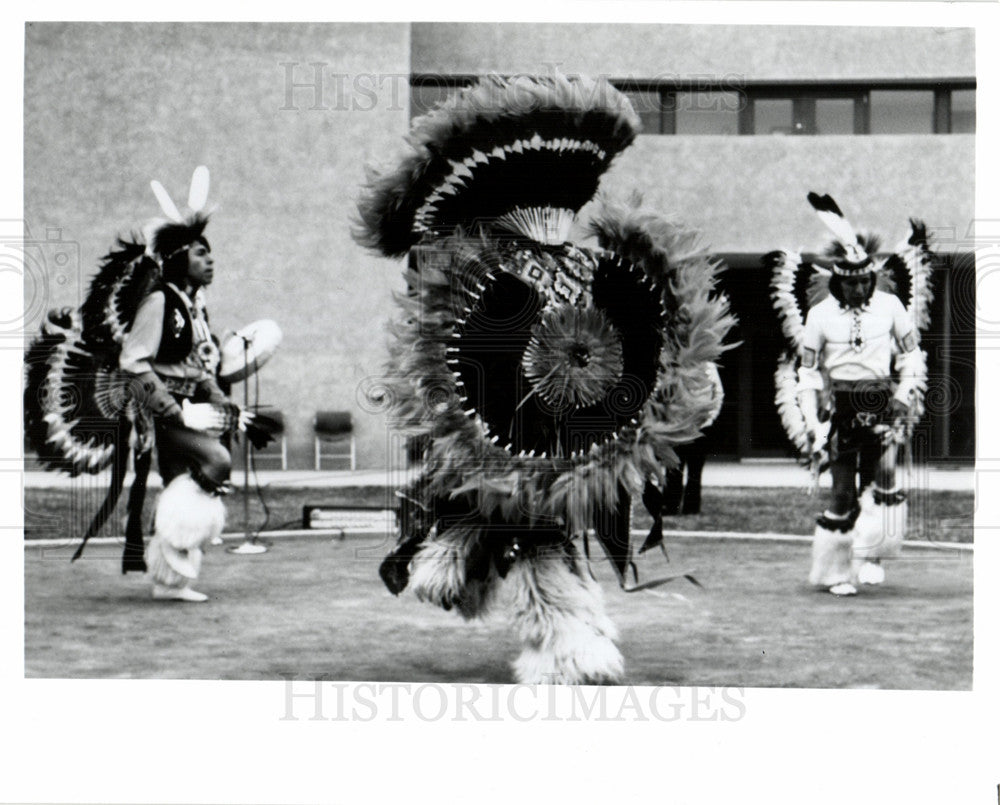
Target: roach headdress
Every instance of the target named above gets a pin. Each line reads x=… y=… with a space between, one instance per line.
x=547 y=378
x=165 y=238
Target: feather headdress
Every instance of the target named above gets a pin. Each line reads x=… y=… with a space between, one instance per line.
x=852 y=256
x=167 y=237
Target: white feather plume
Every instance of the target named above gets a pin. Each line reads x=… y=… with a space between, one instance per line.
x=198 y=195
x=166 y=203
x=830 y=215
x=786 y=398
x=782 y=294
x=918 y=260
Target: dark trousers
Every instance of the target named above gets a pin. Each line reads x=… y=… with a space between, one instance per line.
x=678 y=497
x=181 y=450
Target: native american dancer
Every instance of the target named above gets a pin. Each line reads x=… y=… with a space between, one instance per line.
x=134 y=366
x=548 y=380
x=851 y=386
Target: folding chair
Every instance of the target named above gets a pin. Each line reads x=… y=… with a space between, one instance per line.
x=333 y=437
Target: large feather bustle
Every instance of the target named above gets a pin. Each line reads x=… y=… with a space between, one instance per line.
x=676 y=261
x=126 y=274
x=786 y=397
x=496 y=147
x=917 y=258
x=494 y=499
x=62 y=421
x=792 y=278
x=74 y=397
x=784 y=266
x=423 y=396
x=796 y=285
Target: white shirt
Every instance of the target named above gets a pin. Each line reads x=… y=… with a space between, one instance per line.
x=852 y=344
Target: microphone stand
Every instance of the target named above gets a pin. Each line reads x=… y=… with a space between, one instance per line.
x=250 y=544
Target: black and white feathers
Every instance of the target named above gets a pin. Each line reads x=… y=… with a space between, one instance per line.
x=523 y=154
x=545 y=376
x=75 y=397
x=853 y=252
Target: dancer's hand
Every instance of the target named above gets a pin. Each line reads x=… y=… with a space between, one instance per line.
x=902 y=417
x=819 y=433
x=202 y=416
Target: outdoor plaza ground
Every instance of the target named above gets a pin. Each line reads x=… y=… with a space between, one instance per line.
x=313 y=606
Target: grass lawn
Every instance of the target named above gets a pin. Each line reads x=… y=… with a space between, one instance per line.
x=935 y=516
x=315 y=608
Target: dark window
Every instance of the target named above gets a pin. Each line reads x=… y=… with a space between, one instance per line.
x=652 y=110
x=963 y=111
x=707 y=112
x=772 y=109
x=835 y=116
x=901 y=111
x=773 y=116
x=802 y=114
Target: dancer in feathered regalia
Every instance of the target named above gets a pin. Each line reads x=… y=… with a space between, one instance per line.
x=851 y=385
x=137 y=364
x=549 y=380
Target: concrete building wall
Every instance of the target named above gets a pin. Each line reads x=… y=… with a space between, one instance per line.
x=748 y=194
x=110 y=106
x=747 y=52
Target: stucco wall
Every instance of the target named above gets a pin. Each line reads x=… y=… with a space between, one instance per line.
x=748 y=194
x=110 y=106
x=648 y=51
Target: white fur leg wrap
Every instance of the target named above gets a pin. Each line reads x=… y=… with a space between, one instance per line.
x=560 y=615
x=187 y=518
x=172 y=567
x=881 y=526
x=831 y=557
x=438 y=574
